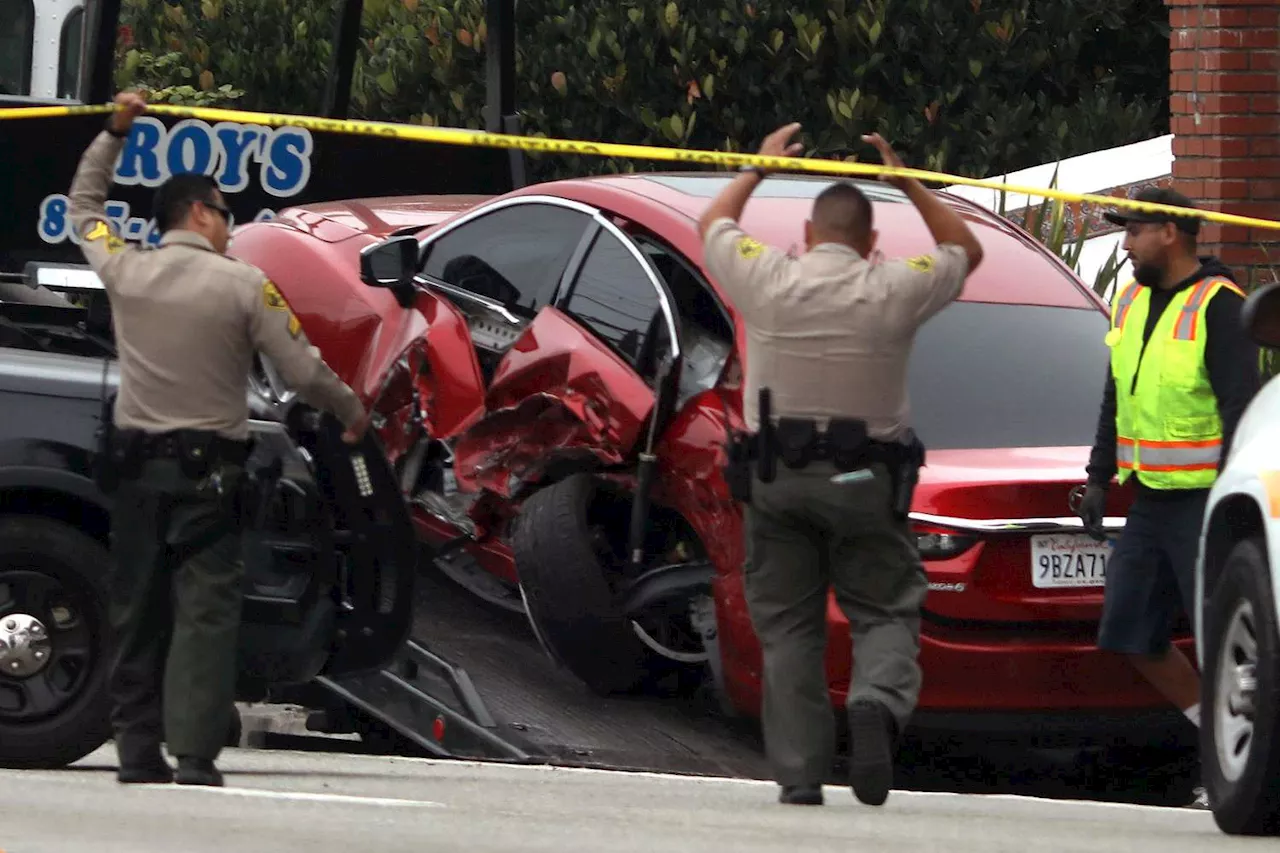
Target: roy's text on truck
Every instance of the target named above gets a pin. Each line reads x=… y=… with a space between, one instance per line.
x=228 y=151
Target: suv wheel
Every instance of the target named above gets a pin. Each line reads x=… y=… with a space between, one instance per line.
x=1240 y=689
x=53 y=626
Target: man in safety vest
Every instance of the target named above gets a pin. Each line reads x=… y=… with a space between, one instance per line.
x=1182 y=372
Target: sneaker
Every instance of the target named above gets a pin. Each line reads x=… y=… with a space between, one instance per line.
x=871 y=729
x=1201 y=800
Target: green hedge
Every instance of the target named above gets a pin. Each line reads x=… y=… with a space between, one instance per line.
x=973 y=87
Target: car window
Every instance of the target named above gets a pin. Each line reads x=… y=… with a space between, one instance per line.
x=515 y=255
x=985 y=375
x=69 y=54
x=17 y=31
x=614 y=298
x=706 y=334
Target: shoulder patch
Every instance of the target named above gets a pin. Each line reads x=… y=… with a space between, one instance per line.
x=749 y=247
x=101 y=231
x=272 y=297
x=921 y=263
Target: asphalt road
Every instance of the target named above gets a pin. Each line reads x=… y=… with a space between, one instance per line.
x=308 y=802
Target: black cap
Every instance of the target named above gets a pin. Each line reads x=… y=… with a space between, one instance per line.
x=1157 y=195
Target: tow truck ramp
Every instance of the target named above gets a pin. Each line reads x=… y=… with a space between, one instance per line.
x=432 y=704
x=473 y=683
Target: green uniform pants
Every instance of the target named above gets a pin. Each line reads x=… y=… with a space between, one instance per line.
x=806 y=535
x=175 y=611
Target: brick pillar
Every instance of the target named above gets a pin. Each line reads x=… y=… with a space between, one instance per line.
x=1224 y=68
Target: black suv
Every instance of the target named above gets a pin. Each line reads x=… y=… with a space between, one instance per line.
x=330 y=557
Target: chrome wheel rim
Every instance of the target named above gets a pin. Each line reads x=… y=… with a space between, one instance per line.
x=1235 y=693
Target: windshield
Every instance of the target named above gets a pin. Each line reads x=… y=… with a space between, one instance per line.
x=17 y=29
x=986 y=375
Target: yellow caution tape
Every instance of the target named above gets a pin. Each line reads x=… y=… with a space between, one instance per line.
x=542 y=145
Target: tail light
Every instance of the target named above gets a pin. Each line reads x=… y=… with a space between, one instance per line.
x=941 y=544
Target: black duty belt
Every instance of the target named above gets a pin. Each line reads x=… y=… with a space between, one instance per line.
x=799 y=442
x=177 y=444
x=197 y=450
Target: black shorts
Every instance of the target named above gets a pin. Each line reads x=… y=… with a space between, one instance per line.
x=1151 y=573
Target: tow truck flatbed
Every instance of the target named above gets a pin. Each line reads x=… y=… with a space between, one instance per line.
x=499 y=697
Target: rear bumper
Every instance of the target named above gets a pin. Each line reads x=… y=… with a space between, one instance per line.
x=1032 y=674
x=1155 y=728
x=1002 y=687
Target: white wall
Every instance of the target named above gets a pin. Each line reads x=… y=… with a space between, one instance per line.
x=1094 y=172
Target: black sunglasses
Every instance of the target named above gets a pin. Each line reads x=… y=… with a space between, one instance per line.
x=225 y=211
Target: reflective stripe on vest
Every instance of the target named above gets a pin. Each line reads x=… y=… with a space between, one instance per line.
x=1166 y=456
x=1185 y=328
x=1123 y=303
x=1168 y=428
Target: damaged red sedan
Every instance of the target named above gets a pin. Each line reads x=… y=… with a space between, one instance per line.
x=554 y=373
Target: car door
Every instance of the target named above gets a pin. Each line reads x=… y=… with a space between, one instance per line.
x=567 y=315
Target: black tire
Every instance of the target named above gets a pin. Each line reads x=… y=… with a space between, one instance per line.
x=567 y=593
x=1244 y=796
x=80 y=565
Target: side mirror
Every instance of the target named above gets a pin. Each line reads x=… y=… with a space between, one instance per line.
x=391 y=264
x=1260 y=315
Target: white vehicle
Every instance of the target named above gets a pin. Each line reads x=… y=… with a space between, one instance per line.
x=1238 y=642
x=41 y=48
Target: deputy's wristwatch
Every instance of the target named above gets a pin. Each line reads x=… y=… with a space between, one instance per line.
x=759 y=170
x=110 y=128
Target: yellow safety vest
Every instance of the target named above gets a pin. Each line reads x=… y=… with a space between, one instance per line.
x=1168 y=429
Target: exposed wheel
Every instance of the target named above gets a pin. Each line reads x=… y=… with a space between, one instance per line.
x=1239 y=697
x=567 y=591
x=53 y=623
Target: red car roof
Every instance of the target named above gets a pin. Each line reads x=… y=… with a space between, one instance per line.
x=1016 y=268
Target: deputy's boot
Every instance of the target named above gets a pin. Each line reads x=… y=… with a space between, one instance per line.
x=141 y=763
x=198 y=771
x=873 y=733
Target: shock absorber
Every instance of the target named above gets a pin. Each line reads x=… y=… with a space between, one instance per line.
x=645 y=469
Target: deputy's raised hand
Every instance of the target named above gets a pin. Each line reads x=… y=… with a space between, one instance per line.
x=132 y=105
x=776 y=144
x=888 y=156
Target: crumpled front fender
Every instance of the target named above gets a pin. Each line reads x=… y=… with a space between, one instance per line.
x=515 y=444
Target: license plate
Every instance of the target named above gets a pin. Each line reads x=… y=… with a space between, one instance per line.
x=1068 y=560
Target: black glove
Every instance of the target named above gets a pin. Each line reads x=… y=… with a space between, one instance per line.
x=1093 y=506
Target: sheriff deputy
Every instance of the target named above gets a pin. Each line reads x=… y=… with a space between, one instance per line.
x=827 y=475
x=187 y=321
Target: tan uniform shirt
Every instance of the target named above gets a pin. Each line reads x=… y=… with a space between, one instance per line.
x=188 y=321
x=829 y=333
